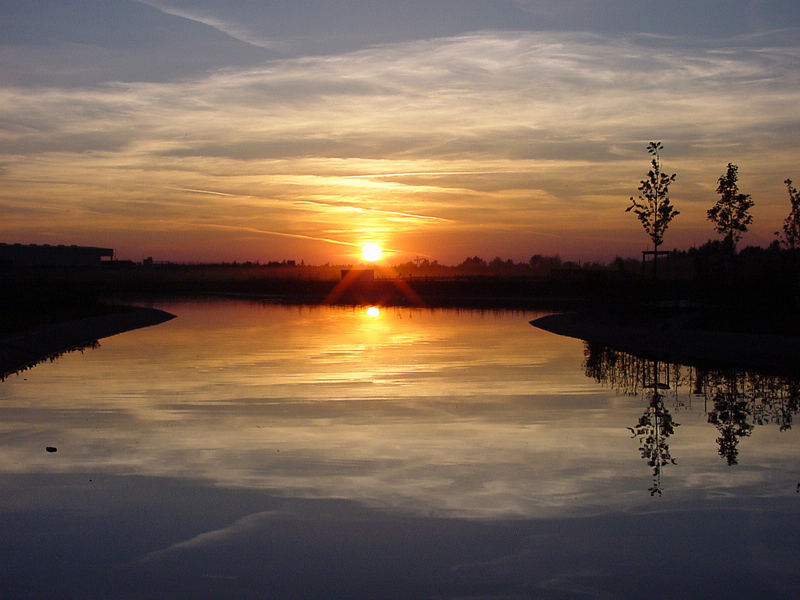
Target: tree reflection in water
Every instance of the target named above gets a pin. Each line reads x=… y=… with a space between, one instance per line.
x=738 y=401
x=730 y=415
x=653 y=429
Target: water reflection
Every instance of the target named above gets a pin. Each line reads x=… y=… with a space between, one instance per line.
x=653 y=429
x=456 y=412
x=248 y=450
x=443 y=411
x=734 y=402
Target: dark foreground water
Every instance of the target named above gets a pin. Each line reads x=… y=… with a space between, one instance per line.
x=255 y=451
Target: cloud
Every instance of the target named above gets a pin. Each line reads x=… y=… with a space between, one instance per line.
x=280 y=233
x=706 y=19
x=308 y=27
x=235 y=31
x=239 y=528
x=503 y=129
x=51 y=43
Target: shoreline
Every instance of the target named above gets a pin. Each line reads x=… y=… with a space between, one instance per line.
x=764 y=353
x=22 y=350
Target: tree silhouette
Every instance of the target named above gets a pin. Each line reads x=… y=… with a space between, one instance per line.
x=653 y=207
x=740 y=401
x=791 y=225
x=653 y=429
x=632 y=375
x=730 y=214
x=730 y=417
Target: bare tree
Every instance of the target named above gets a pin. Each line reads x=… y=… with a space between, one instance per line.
x=731 y=214
x=653 y=207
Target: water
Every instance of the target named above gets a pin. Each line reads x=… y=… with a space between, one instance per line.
x=253 y=450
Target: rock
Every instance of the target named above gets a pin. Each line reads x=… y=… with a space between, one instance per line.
x=51 y=449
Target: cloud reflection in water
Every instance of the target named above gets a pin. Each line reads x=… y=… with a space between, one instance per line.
x=427 y=412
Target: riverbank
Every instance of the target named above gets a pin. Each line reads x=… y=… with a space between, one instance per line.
x=23 y=349
x=671 y=341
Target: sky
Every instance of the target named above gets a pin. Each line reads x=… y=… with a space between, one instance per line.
x=197 y=130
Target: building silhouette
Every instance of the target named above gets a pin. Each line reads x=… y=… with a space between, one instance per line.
x=45 y=255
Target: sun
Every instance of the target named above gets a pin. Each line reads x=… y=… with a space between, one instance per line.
x=371 y=252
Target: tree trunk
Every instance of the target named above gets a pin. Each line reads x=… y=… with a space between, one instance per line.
x=655 y=262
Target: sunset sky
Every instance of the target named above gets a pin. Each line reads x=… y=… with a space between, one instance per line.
x=266 y=130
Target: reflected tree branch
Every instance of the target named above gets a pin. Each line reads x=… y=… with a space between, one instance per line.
x=739 y=401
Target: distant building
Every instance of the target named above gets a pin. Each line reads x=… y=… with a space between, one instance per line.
x=35 y=255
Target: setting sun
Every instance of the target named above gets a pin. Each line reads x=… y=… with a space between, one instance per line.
x=371 y=252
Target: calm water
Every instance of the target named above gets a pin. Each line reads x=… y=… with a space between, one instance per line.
x=256 y=451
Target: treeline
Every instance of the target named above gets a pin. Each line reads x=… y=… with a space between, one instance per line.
x=538 y=266
x=713 y=261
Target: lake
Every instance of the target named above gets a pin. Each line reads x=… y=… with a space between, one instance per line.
x=252 y=450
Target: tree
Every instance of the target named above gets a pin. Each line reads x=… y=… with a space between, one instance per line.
x=791 y=225
x=731 y=214
x=653 y=207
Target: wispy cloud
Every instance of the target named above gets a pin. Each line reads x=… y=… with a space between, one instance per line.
x=210 y=192
x=349 y=207
x=503 y=130
x=216 y=536
x=234 y=30
x=297 y=236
